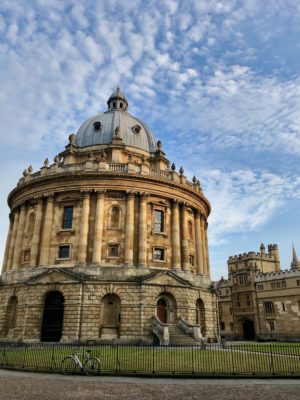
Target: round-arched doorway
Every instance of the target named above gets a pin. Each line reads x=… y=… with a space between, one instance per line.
x=166 y=308
x=53 y=317
x=111 y=316
x=248 y=329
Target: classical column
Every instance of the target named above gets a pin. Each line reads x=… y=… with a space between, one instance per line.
x=202 y=222
x=5 y=258
x=198 y=239
x=175 y=236
x=19 y=238
x=46 y=239
x=13 y=239
x=184 y=239
x=129 y=229
x=84 y=228
x=143 y=231
x=36 y=237
x=206 y=248
x=98 y=231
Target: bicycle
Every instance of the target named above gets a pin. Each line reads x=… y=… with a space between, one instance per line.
x=90 y=365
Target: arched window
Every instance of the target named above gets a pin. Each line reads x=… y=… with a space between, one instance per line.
x=115 y=216
x=200 y=316
x=53 y=317
x=30 y=223
x=12 y=312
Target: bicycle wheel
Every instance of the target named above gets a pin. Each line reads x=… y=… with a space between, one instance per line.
x=92 y=366
x=68 y=365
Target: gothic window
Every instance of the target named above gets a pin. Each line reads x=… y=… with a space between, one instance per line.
x=115 y=217
x=158 y=221
x=113 y=250
x=269 y=308
x=242 y=279
x=64 y=251
x=158 y=254
x=68 y=217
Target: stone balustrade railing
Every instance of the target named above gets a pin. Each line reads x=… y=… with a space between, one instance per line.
x=161 y=331
x=191 y=330
x=103 y=166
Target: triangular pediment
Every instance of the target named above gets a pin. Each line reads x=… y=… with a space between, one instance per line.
x=55 y=275
x=166 y=278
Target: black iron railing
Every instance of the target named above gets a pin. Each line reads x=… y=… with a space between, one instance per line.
x=271 y=359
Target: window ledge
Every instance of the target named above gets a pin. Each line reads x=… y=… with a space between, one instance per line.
x=63 y=259
x=160 y=233
x=70 y=230
x=159 y=261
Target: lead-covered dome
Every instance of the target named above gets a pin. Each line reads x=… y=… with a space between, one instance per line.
x=100 y=129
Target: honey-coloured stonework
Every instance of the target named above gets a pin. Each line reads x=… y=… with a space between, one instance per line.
x=109 y=242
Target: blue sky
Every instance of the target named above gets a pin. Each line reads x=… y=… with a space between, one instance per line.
x=217 y=81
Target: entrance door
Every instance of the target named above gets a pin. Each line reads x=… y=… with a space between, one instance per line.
x=161 y=311
x=248 y=328
x=53 y=317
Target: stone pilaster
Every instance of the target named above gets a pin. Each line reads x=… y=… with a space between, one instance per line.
x=98 y=231
x=129 y=229
x=202 y=222
x=84 y=228
x=10 y=229
x=13 y=240
x=198 y=239
x=184 y=239
x=206 y=248
x=176 y=262
x=143 y=231
x=46 y=239
x=36 y=237
x=19 y=238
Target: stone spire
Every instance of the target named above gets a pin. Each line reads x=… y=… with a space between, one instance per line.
x=117 y=101
x=295 y=262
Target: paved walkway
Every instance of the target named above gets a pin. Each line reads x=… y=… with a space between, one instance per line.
x=36 y=386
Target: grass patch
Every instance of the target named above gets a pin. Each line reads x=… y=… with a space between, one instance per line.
x=240 y=359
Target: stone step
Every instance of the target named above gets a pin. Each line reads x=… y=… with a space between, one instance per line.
x=177 y=337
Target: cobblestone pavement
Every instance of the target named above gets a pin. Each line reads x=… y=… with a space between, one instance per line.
x=34 y=386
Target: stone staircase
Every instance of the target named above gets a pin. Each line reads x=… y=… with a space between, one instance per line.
x=179 y=338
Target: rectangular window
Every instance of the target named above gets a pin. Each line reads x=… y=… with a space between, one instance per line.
x=242 y=279
x=222 y=326
x=283 y=306
x=269 y=308
x=192 y=260
x=230 y=310
x=273 y=285
x=158 y=221
x=260 y=287
x=158 y=254
x=227 y=291
x=298 y=282
x=231 y=326
x=68 y=217
x=113 y=250
x=64 y=251
x=26 y=256
x=278 y=285
x=272 y=326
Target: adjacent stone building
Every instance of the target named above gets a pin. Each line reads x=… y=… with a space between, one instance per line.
x=259 y=300
x=109 y=242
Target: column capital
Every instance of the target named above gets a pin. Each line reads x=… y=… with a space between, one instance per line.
x=184 y=205
x=49 y=197
x=85 y=194
x=23 y=206
x=144 y=196
x=175 y=203
x=100 y=194
x=197 y=214
x=130 y=194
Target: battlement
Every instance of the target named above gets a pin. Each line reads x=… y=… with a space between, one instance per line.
x=269 y=276
x=271 y=255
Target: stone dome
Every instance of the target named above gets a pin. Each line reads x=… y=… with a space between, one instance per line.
x=100 y=129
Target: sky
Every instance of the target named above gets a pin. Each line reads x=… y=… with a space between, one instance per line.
x=218 y=82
